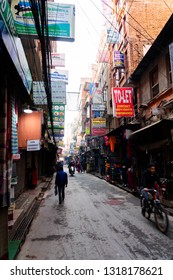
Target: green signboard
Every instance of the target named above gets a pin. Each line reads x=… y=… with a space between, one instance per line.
x=61 y=20
x=7 y=17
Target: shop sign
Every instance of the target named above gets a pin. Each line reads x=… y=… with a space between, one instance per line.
x=118 y=59
x=87 y=130
x=61 y=20
x=56 y=124
x=112 y=36
x=97 y=97
x=98 y=107
x=122 y=99
x=33 y=145
x=58 y=112
x=98 y=123
x=14 y=181
x=96 y=114
x=59 y=75
x=98 y=131
x=7 y=17
x=13 y=44
x=58 y=90
x=16 y=156
x=58 y=59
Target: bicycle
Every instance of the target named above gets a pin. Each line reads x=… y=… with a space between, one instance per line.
x=155 y=207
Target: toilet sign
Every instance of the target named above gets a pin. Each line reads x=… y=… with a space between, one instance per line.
x=33 y=145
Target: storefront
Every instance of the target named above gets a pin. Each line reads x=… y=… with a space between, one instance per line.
x=153 y=144
x=15 y=86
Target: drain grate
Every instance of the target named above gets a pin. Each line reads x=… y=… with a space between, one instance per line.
x=20 y=232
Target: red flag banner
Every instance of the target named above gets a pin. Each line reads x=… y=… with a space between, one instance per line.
x=122 y=99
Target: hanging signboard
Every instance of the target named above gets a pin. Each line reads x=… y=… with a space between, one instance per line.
x=98 y=107
x=58 y=115
x=112 y=36
x=13 y=44
x=58 y=92
x=99 y=123
x=97 y=97
x=60 y=20
x=58 y=59
x=59 y=75
x=5 y=13
x=122 y=99
x=98 y=131
x=118 y=59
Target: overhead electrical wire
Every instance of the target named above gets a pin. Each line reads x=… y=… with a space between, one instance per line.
x=39 y=10
x=122 y=34
x=111 y=24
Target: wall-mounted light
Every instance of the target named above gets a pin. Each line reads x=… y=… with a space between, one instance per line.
x=27 y=110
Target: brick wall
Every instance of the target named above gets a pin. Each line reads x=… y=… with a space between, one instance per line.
x=145 y=20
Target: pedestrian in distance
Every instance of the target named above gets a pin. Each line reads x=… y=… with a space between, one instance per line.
x=61 y=181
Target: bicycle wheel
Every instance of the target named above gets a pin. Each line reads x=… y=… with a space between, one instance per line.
x=147 y=211
x=161 y=218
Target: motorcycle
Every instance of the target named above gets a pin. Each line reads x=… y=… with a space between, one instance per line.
x=71 y=170
x=155 y=207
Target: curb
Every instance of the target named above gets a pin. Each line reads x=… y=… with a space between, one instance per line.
x=22 y=224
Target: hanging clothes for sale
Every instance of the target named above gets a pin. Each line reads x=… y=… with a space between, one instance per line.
x=112 y=142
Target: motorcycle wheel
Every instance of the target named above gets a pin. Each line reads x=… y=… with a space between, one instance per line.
x=161 y=218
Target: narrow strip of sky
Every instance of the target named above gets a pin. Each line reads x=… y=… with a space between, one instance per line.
x=82 y=53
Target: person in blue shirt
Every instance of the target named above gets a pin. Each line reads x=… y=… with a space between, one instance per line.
x=61 y=181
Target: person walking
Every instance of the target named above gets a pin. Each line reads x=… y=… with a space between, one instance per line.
x=61 y=181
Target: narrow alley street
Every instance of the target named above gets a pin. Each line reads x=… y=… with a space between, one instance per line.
x=97 y=221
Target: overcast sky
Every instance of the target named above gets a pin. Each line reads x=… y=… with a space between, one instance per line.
x=81 y=53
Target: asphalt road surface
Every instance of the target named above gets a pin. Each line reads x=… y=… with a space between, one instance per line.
x=97 y=221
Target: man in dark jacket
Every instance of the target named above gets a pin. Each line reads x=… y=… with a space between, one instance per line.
x=61 y=182
x=150 y=180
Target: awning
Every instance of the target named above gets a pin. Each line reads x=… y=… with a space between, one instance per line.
x=121 y=128
x=154 y=132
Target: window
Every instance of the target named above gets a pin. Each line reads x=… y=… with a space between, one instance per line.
x=168 y=69
x=124 y=25
x=126 y=62
x=154 y=82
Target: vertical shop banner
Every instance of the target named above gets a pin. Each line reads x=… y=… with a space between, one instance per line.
x=118 y=59
x=58 y=114
x=122 y=102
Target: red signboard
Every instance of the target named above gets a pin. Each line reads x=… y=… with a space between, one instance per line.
x=122 y=99
x=98 y=131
